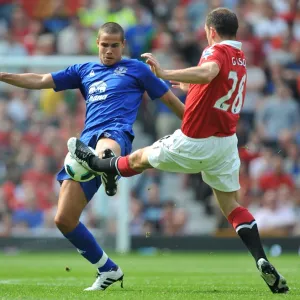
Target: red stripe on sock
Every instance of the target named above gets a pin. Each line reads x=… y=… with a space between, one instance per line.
x=124 y=167
x=239 y=216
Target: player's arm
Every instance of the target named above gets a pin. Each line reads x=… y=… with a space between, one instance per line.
x=200 y=75
x=173 y=103
x=29 y=80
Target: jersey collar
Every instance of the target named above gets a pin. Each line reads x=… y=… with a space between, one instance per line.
x=102 y=64
x=234 y=44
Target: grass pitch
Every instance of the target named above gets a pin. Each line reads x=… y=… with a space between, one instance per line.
x=162 y=276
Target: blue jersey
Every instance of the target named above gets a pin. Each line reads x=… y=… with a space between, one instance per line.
x=112 y=94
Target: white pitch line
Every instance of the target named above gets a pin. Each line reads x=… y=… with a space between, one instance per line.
x=38 y=281
x=10 y=281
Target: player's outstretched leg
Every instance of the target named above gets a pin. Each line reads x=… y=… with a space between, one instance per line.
x=245 y=225
x=110 y=181
x=125 y=166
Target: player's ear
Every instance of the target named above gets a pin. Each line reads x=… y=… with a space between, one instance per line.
x=124 y=43
x=97 y=42
x=213 y=32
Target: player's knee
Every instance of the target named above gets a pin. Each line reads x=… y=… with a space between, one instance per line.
x=64 y=223
x=135 y=160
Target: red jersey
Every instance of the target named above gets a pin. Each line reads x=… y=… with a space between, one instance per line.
x=213 y=109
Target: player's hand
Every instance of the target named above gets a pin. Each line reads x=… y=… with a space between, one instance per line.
x=154 y=64
x=180 y=85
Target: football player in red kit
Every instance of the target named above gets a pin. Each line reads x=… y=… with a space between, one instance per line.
x=207 y=141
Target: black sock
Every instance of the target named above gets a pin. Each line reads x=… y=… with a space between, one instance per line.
x=251 y=239
x=107 y=165
x=245 y=225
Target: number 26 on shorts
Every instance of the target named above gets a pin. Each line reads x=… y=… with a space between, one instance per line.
x=238 y=101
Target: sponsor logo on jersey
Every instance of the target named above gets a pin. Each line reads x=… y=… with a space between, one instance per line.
x=120 y=71
x=95 y=90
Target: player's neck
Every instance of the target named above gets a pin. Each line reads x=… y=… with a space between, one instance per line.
x=219 y=40
x=102 y=63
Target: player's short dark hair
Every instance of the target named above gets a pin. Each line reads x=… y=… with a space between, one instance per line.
x=112 y=28
x=224 y=21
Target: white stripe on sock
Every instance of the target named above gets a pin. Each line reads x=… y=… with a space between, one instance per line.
x=102 y=261
x=249 y=226
x=116 y=165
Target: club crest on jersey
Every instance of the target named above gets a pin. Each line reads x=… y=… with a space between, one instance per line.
x=95 y=89
x=208 y=52
x=120 y=71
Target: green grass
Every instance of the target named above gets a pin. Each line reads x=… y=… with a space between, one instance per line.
x=162 y=276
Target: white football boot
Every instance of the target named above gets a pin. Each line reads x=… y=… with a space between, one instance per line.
x=273 y=279
x=106 y=279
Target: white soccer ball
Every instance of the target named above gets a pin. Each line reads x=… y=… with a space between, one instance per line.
x=75 y=170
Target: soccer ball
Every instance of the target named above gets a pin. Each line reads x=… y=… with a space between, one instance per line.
x=75 y=170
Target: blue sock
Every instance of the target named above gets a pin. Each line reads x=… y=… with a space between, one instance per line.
x=87 y=246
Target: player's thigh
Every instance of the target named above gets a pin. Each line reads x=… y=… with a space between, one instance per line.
x=71 y=203
x=222 y=168
x=118 y=141
x=107 y=143
x=225 y=181
x=227 y=201
x=175 y=153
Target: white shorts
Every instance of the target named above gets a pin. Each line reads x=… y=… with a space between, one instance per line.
x=216 y=158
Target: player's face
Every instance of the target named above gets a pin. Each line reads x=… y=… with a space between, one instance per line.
x=110 y=48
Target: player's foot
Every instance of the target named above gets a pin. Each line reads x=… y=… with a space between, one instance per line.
x=273 y=279
x=82 y=153
x=106 y=279
x=109 y=181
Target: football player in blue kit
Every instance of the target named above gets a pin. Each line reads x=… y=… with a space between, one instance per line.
x=113 y=89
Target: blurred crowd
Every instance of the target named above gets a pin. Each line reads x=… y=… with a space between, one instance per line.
x=34 y=126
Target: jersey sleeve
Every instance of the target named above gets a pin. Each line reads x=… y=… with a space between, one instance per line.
x=155 y=87
x=212 y=54
x=66 y=79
